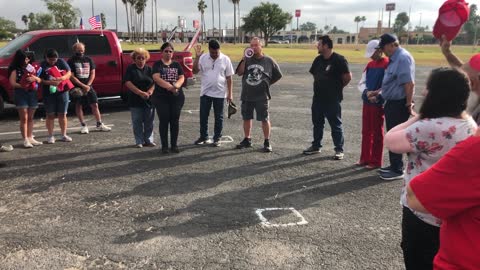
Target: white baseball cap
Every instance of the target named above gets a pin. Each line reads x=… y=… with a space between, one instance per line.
x=371 y=47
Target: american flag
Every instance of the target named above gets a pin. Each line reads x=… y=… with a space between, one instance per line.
x=95 y=22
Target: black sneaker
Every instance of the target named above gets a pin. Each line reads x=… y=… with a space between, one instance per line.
x=385 y=169
x=174 y=149
x=391 y=175
x=165 y=150
x=267 y=147
x=312 y=150
x=201 y=141
x=246 y=143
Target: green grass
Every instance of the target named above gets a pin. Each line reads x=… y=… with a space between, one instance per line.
x=425 y=55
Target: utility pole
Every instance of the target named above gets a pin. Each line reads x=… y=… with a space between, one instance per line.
x=156 y=21
x=220 y=34
x=153 y=41
x=116 y=17
x=93 y=11
x=213 y=21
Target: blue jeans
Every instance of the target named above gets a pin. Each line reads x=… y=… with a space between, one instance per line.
x=205 y=106
x=395 y=114
x=333 y=112
x=142 y=123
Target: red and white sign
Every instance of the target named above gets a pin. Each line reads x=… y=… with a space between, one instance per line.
x=390 y=7
x=196 y=24
x=297 y=13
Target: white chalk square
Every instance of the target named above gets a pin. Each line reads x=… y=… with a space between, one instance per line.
x=266 y=223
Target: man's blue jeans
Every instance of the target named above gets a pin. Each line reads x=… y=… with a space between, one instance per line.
x=333 y=112
x=395 y=113
x=142 y=124
x=205 y=106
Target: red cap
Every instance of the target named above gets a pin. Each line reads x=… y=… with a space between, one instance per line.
x=475 y=62
x=451 y=16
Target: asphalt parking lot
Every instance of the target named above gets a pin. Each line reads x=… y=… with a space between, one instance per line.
x=100 y=203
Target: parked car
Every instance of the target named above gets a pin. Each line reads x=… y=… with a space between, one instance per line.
x=102 y=46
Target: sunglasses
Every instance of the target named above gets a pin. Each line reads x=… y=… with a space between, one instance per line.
x=167 y=51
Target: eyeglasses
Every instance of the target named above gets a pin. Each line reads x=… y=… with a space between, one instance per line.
x=168 y=51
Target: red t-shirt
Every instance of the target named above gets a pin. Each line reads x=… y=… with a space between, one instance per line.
x=450 y=190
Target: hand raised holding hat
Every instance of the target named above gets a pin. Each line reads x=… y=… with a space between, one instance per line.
x=445 y=44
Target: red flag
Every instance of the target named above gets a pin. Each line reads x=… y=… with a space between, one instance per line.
x=95 y=22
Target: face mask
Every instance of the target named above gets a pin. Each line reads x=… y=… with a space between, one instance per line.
x=79 y=54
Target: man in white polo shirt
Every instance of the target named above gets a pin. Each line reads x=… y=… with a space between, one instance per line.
x=217 y=85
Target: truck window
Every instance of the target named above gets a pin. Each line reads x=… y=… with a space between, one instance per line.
x=14 y=45
x=62 y=44
x=95 y=44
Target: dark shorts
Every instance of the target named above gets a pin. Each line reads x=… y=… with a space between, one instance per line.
x=56 y=103
x=89 y=98
x=260 y=107
x=25 y=99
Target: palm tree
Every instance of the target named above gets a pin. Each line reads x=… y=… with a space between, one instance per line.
x=359 y=19
x=125 y=2
x=140 y=13
x=25 y=20
x=235 y=3
x=201 y=7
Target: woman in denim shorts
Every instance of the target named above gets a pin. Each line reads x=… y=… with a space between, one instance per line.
x=23 y=79
x=55 y=99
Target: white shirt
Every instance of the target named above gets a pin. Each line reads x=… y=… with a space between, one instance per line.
x=214 y=75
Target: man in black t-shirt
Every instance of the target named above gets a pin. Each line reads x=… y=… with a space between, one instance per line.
x=331 y=74
x=83 y=74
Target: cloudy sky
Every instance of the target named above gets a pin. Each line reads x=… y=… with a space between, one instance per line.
x=338 y=13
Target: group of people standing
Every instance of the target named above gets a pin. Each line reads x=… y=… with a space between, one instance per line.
x=441 y=195
x=53 y=77
x=160 y=89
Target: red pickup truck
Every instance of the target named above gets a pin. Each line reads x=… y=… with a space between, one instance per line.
x=102 y=46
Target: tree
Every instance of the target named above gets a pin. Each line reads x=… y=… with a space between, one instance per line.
x=25 y=20
x=7 y=25
x=65 y=14
x=235 y=4
x=267 y=18
x=335 y=30
x=471 y=26
x=308 y=26
x=201 y=7
x=40 y=21
x=125 y=2
x=104 y=20
x=400 y=22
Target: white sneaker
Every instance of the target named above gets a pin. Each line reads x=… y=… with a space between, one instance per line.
x=27 y=144
x=84 y=130
x=6 y=148
x=34 y=142
x=66 y=138
x=51 y=139
x=102 y=127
